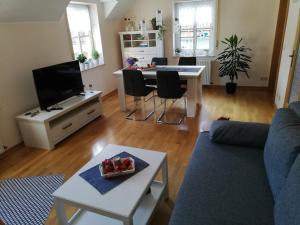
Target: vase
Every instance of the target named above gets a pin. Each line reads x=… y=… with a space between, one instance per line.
x=81 y=65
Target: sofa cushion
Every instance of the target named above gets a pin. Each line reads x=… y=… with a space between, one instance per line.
x=282 y=147
x=224 y=185
x=287 y=207
x=239 y=133
x=295 y=106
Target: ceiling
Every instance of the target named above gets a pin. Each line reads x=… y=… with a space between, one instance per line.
x=32 y=10
x=52 y=10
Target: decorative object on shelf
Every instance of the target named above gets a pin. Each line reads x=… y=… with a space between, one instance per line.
x=95 y=56
x=177 y=51
x=132 y=62
x=233 y=60
x=159 y=20
x=81 y=58
x=129 y=24
x=143 y=27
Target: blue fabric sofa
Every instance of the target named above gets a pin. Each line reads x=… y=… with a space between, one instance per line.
x=244 y=174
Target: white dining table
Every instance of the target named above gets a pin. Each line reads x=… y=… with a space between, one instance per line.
x=193 y=75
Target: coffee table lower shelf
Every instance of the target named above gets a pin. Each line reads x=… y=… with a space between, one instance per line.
x=141 y=216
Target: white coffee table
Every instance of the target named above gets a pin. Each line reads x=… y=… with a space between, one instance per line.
x=127 y=204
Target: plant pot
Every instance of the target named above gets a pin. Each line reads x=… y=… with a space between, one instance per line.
x=81 y=65
x=230 y=88
x=86 y=66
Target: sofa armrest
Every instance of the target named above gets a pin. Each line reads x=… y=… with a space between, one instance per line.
x=239 y=133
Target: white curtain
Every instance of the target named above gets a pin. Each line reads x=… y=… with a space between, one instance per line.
x=79 y=18
x=198 y=12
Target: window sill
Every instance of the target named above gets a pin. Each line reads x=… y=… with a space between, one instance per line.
x=91 y=67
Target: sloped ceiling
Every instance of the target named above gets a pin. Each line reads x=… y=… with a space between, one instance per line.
x=32 y=10
x=117 y=9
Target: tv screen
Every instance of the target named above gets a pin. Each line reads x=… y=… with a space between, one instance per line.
x=57 y=83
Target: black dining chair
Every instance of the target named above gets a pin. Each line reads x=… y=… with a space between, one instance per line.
x=187 y=61
x=135 y=86
x=159 y=61
x=169 y=87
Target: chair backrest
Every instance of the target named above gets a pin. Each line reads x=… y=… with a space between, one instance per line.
x=160 y=61
x=134 y=82
x=187 y=61
x=168 y=84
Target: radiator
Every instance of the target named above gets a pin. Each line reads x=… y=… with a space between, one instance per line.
x=206 y=75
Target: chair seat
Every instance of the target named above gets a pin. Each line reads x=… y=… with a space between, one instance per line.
x=150 y=81
x=148 y=90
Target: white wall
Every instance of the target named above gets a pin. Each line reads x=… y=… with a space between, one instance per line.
x=253 y=20
x=26 y=46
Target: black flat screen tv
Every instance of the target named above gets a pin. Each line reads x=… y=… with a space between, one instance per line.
x=57 y=83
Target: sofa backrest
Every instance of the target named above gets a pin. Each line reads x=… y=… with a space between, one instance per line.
x=282 y=147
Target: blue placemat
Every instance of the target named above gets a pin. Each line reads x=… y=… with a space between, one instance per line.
x=93 y=175
x=178 y=69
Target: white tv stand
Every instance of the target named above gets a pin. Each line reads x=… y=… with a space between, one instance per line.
x=46 y=129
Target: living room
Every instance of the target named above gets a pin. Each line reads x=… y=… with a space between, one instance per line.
x=219 y=129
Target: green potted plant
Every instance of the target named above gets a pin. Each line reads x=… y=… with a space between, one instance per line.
x=81 y=58
x=233 y=60
x=95 y=56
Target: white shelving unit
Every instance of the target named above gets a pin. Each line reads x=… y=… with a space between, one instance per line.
x=141 y=45
x=46 y=129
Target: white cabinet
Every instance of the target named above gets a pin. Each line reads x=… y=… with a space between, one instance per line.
x=46 y=129
x=141 y=45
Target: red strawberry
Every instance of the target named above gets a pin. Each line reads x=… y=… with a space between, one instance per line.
x=123 y=167
x=127 y=162
x=130 y=167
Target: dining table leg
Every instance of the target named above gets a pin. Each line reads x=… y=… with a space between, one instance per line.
x=193 y=97
x=121 y=93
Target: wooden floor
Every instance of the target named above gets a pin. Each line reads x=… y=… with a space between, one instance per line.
x=177 y=141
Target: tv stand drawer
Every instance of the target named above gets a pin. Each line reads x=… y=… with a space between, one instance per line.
x=65 y=128
x=90 y=113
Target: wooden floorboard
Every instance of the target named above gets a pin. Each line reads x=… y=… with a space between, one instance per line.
x=177 y=141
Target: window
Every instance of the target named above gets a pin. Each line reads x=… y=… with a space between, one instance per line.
x=84 y=28
x=194 y=27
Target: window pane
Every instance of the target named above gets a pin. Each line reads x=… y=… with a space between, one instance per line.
x=86 y=46
x=76 y=46
x=203 y=38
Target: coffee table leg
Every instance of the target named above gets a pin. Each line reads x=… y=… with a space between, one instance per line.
x=60 y=212
x=165 y=177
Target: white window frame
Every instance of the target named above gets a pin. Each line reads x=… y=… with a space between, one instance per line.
x=95 y=34
x=176 y=39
